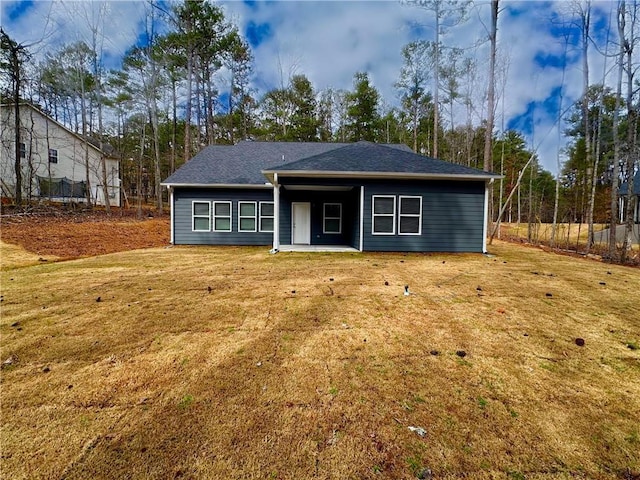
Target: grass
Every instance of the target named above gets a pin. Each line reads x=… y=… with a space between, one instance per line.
x=125 y=366
x=567 y=235
x=14 y=256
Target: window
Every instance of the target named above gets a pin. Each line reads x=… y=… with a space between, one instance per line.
x=410 y=216
x=53 y=155
x=23 y=150
x=221 y=216
x=266 y=216
x=332 y=219
x=384 y=215
x=201 y=216
x=247 y=218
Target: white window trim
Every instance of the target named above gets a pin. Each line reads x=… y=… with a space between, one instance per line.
x=214 y=216
x=261 y=216
x=413 y=215
x=194 y=216
x=374 y=215
x=325 y=218
x=254 y=216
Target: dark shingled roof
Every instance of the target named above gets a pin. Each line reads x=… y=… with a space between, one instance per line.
x=244 y=163
x=636 y=186
x=366 y=157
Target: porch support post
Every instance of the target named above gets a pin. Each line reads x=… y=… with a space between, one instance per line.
x=361 y=243
x=276 y=213
x=621 y=208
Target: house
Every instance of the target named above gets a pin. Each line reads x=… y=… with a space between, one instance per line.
x=365 y=196
x=54 y=160
x=624 y=198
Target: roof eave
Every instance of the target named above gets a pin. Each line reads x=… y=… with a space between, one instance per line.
x=215 y=185
x=376 y=175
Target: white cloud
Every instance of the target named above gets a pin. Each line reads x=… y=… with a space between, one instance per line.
x=330 y=41
x=46 y=26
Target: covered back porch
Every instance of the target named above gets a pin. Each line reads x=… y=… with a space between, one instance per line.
x=317 y=217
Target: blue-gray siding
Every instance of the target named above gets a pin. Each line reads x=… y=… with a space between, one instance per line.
x=350 y=204
x=182 y=218
x=452 y=217
x=452 y=214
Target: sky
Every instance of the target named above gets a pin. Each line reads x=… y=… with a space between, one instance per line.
x=329 y=41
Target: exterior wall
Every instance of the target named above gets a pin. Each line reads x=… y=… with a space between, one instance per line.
x=452 y=213
x=183 y=199
x=39 y=134
x=317 y=199
x=452 y=216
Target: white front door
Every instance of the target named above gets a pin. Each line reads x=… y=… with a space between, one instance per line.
x=301 y=219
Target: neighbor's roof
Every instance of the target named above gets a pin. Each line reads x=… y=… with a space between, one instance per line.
x=247 y=163
x=365 y=159
x=636 y=186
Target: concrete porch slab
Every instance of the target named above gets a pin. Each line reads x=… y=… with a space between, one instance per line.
x=317 y=248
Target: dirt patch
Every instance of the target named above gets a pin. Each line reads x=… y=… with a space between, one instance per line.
x=69 y=234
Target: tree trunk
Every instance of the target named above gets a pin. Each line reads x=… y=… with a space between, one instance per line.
x=187 y=110
x=615 y=181
x=157 y=173
x=174 y=126
x=488 y=134
x=558 y=163
x=508 y=200
x=436 y=81
x=85 y=134
x=632 y=148
x=586 y=21
x=103 y=159
x=16 y=112
x=139 y=175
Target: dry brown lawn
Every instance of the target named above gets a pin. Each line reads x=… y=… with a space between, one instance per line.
x=566 y=234
x=230 y=363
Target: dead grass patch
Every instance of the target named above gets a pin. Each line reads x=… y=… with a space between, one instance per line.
x=568 y=234
x=204 y=362
x=14 y=256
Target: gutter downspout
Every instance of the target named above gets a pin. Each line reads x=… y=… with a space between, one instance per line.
x=276 y=214
x=486 y=215
x=361 y=217
x=171 y=217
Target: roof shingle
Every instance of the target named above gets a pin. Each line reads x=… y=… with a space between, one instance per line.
x=247 y=162
x=366 y=157
x=243 y=163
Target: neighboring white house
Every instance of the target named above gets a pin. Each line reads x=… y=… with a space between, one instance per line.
x=53 y=160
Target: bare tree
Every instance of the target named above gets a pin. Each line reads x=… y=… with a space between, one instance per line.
x=488 y=136
x=615 y=180
x=412 y=84
x=143 y=65
x=629 y=26
x=583 y=13
x=12 y=60
x=446 y=14
x=96 y=26
x=558 y=162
